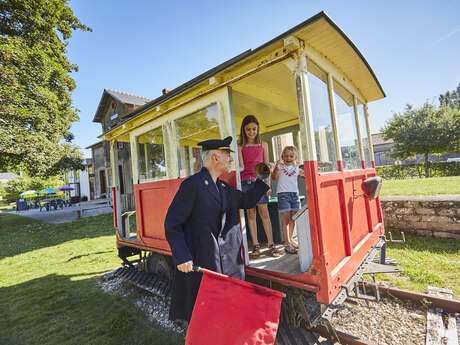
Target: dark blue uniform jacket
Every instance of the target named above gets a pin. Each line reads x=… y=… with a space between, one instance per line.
x=195 y=232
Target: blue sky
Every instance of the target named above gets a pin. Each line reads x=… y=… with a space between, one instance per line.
x=141 y=47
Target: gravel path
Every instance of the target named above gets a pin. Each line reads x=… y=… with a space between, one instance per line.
x=388 y=322
x=155 y=308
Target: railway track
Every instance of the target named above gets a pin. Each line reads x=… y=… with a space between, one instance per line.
x=286 y=336
x=444 y=310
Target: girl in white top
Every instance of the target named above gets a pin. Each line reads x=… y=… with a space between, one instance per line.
x=286 y=172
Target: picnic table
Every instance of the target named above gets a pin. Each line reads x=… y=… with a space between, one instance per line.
x=53 y=203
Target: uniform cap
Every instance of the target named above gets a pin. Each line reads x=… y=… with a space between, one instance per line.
x=216 y=144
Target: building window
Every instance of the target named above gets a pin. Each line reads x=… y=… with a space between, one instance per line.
x=151 y=155
x=190 y=130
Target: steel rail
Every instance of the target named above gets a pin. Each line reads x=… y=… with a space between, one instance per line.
x=448 y=305
x=342 y=337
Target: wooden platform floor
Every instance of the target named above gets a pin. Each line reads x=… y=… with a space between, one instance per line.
x=287 y=263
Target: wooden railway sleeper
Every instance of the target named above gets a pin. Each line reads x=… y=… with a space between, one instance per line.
x=299 y=309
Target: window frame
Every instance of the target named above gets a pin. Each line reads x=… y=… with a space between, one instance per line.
x=137 y=156
x=167 y=121
x=335 y=75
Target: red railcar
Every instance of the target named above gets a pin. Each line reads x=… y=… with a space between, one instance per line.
x=309 y=87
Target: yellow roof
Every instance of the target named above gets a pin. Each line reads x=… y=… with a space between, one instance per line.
x=330 y=41
x=318 y=32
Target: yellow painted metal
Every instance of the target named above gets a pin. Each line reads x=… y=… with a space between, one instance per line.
x=369 y=136
x=358 y=128
x=167 y=123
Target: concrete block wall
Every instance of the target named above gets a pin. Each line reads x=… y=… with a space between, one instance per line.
x=437 y=216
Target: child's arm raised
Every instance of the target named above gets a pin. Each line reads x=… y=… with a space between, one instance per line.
x=276 y=171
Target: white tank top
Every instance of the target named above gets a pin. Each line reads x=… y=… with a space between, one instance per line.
x=287 y=179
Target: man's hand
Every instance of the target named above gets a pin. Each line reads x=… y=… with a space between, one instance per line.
x=186 y=267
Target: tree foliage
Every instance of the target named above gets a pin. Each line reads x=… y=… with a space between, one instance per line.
x=424 y=130
x=36 y=110
x=451 y=98
x=14 y=187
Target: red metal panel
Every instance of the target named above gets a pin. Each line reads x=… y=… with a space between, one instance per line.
x=341 y=220
x=334 y=241
x=114 y=203
x=152 y=202
x=356 y=206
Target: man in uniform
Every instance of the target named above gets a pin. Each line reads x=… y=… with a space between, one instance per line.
x=203 y=226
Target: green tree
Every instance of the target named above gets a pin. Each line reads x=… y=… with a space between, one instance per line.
x=451 y=98
x=36 y=110
x=14 y=187
x=424 y=130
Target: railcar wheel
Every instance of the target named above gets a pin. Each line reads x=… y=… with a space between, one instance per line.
x=160 y=265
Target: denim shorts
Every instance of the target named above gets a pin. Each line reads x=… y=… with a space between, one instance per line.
x=248 y=185
x=288 y=201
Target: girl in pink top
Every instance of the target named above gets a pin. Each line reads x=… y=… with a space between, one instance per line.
x=251 y=151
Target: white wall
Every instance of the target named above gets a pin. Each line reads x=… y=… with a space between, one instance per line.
x=84 y=184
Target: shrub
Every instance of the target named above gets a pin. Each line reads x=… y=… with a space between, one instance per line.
x=436 y=169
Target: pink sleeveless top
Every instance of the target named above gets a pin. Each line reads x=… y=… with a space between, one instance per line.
x=252 y=155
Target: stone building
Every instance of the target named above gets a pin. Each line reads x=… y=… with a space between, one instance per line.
x=114 y=107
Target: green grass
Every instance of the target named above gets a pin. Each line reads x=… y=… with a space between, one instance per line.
x=422 y=186
x=48 y=291
x=4 y=206
x=426 y=261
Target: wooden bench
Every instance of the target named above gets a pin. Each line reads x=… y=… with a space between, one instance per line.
x=92 y=205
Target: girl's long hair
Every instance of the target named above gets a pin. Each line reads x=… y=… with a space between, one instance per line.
x=246 y=121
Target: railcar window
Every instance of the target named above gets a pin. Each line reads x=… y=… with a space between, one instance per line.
x=346 y=127
x=191 y=129
x=151 y=155
x=279 y=142
x=322 y=123
x=364 y=137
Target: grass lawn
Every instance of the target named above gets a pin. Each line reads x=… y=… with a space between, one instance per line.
x=422 y=186
x=4 y=206
x=426 y=261
x=48 y=292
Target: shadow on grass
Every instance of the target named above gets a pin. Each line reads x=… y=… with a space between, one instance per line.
x=427 y=244
x=58 y=309
x=20 y=234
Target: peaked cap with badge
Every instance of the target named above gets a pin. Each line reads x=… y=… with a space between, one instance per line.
x=203 y=225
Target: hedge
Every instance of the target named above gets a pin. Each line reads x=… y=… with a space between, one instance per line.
x=400 y=172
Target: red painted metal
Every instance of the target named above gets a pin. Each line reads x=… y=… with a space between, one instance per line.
x=344 y=226
x=114 y=203
x=152 y=202
x=345 y=236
